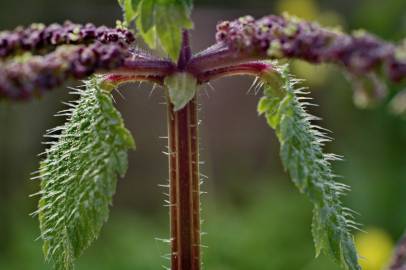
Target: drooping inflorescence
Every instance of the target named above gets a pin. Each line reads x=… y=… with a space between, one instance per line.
x=23 y=80
x=290 y=37
x=41 y=58
x=38 y=38
x=310 y=169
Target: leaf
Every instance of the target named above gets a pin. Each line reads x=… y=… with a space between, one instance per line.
x=163 y=21
x=147 y=15
x=79 y=175
x=129 y=9
x=159 y=21
x=170 y=21
x=182 y=88
x=310 y=169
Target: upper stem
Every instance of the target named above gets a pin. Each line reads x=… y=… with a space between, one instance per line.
x=186 y=52
x=184 y=178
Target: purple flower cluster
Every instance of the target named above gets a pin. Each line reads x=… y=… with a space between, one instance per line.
x=23 y=80
x=41 y=38
x=289 y=37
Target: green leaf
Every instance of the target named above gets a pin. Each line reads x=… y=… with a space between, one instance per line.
x=159 y=21
x=162 y=21
x=79 y=175
x=182 y=88
x=310 y=169
x=147 y=15
x=129 y=9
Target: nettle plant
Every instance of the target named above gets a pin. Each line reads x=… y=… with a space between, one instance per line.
x=79 y=170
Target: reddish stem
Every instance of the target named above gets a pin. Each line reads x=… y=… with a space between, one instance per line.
x=184 y=179
x=250 y=68
x=183 y=137
x=148 y=67
x=117 y=78
x=184 y=187
x=142 y=68
x=218 y=56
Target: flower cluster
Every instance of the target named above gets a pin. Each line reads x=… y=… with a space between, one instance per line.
x=41 y=38
x=289 y=37
x=23 y=80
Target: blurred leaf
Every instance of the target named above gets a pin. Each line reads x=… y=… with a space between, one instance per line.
x=306 y=9
x=315 y=75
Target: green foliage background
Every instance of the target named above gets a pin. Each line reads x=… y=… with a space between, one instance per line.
x=253 y=215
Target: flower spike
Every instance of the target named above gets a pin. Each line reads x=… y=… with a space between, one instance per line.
x=40 y=38
x=289 y=37
x=21 y=81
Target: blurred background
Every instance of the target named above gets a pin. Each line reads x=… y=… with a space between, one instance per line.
x=253 y=215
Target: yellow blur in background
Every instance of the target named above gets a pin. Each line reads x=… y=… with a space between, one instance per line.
x=375 y=248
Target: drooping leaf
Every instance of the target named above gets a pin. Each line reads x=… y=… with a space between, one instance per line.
x=310 y=169
x=182 y=88
x=79 y=174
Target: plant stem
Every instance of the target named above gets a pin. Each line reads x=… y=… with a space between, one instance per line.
x=184 y=179
x=184 y=187
x=249 y=68
x=218 y=56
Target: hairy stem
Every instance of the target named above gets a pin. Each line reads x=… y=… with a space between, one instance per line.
x=184 y=187
x=218 y=56
x=184 y=179
x=249 y=68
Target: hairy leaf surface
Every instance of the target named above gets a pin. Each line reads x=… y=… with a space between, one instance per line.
x=310 y=169
x=79 y=174
x=160 y=21
x=163 y=21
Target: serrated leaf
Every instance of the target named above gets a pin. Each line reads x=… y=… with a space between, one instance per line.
x=309 y=168
x=162 y=21
x=129 y=9
x=79 y=175
x=182 y=88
